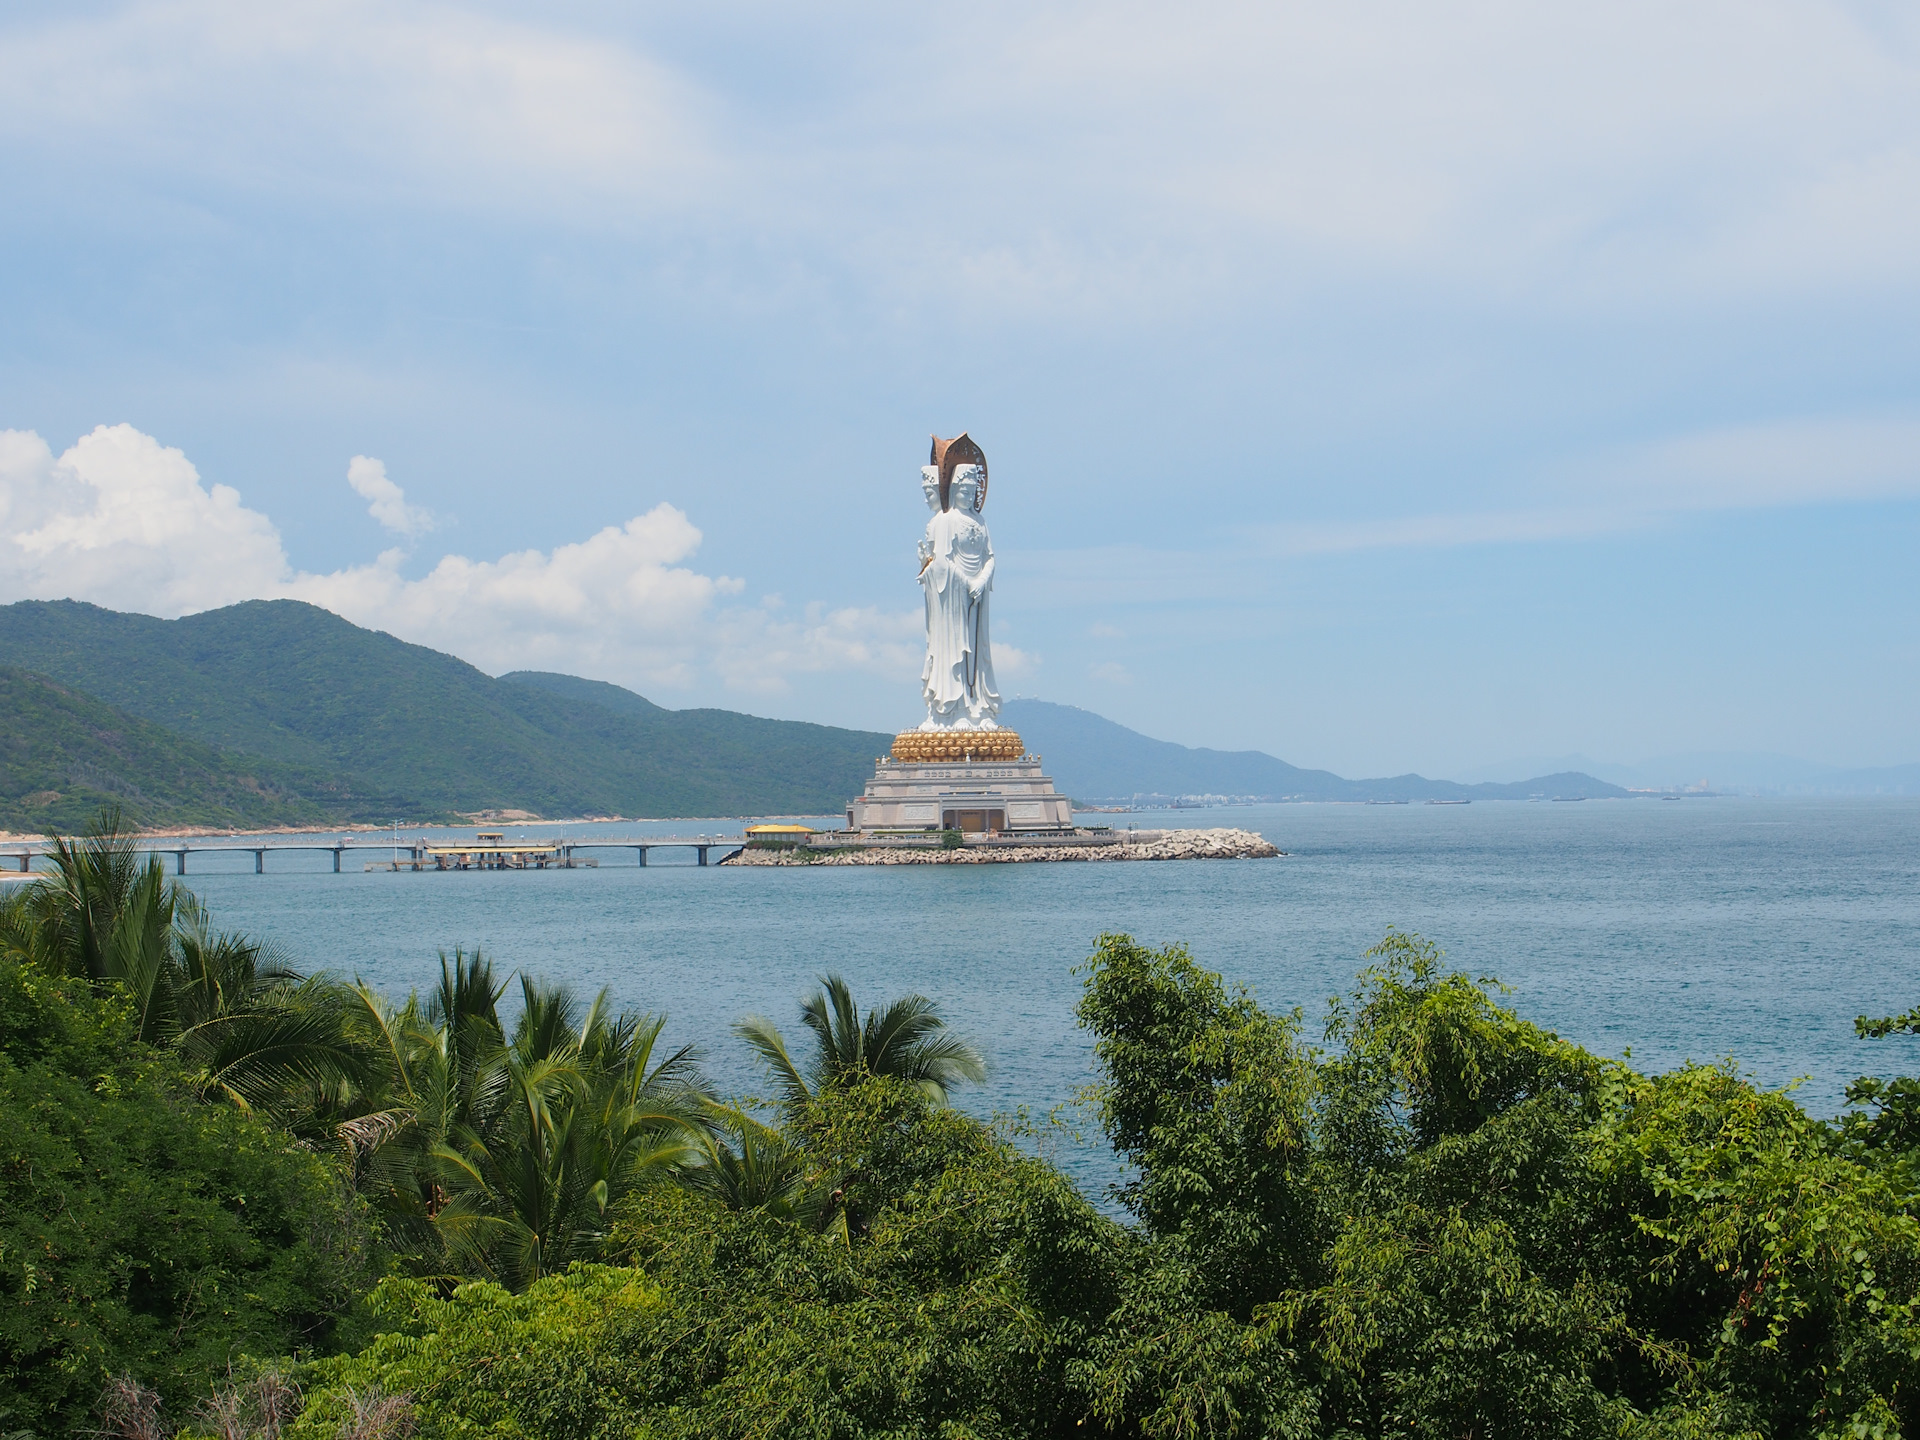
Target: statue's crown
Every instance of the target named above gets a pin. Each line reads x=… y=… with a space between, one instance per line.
x=950 y=455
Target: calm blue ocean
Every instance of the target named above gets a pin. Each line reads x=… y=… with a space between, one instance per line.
x=1696 y=929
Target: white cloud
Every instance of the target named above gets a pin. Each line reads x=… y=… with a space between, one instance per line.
x=1010 y=662
x=758 y=650
x=124 y=522
x=1107 y=152
x=1801 y=462
x=386 y=501
x=430 y=102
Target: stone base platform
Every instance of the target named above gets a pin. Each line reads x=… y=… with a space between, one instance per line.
x=1089 y=845
x=978 y=797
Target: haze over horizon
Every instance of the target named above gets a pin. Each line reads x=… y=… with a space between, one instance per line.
x=1386 y=390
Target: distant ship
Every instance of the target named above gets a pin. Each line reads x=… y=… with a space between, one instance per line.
x=1387 y=802
x=1449 y=802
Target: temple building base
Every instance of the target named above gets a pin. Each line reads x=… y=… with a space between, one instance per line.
x=977 y=796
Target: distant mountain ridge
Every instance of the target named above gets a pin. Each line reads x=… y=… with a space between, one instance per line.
x=1100 y=762
x=1743 y=772
x=352 y=724
x=277 y=713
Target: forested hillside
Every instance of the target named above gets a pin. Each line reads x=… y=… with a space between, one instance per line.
x=367 y=727
x=65 y=755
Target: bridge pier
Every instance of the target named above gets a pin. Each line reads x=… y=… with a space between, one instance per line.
x=703 y=852
x=259 y=862
x=641 y=851
x=180 y=861
x=336 y=858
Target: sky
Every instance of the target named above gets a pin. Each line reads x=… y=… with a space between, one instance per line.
x=1387 y=386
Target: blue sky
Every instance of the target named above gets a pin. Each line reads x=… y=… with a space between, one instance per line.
x=1387 y=387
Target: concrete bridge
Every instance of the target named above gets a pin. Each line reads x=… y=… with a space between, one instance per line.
x=20 y=861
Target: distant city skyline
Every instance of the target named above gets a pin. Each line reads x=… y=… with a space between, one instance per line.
x=1384 y=389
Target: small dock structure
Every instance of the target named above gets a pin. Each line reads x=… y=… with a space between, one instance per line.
x=488 y=850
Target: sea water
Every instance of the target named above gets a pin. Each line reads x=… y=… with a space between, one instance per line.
x=1700 y=929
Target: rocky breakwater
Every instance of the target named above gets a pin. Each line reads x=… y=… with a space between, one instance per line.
x=1134 y=845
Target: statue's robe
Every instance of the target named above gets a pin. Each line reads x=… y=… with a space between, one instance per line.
x=958 y=674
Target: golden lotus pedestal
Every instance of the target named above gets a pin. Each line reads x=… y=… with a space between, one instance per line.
x=930 y=747
x=979 y=782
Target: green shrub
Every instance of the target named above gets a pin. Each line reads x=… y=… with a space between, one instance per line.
x=1459 y=1224
x=951 y=1303
x=1441 y=1220
x=142 y=1232
x=552 y=1361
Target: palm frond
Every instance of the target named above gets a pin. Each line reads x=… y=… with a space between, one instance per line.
x=382 y=1031
x=549 y=1020
x=940 y=1061
x=750 y=1166
x=139 y=953
x=367 y=1133
x=906 y=1039
x=765 y=1040
x=893 y=1031
x=255 y=1055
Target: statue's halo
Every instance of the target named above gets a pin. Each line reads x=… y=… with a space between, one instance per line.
x=950 y=455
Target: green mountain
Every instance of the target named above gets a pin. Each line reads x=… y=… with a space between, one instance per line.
x=275 y=712
x=362 y=726
x=64 y=756
x=586 y=692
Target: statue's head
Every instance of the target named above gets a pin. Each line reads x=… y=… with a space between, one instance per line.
x=967 y=489
x=949 y=456
x=930 y=486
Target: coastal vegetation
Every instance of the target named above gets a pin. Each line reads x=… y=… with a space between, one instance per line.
x=243 y=1202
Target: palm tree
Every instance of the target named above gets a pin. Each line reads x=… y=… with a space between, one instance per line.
x=505 y=1157
x=251 y=1030
x=96 y=912
x=751 y=1166
x=431 y=1073
x=906 y=1040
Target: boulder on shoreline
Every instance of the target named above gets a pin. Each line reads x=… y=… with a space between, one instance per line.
x=1152 y=845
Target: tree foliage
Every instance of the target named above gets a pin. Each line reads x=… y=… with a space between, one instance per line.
x=141 y=1230
x=955 y=1310
x=249 y=1030
x=1483 y=1229
x=502 y=1156
x=1432 y=1218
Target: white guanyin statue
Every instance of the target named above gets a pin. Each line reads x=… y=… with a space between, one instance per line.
x=956 y=574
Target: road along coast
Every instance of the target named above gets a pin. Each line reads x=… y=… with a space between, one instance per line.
x=1128 y=845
